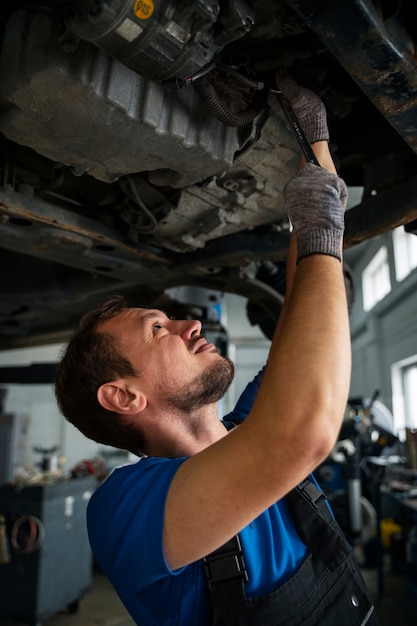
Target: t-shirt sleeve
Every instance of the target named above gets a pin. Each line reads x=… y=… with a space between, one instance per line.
x=246 y=400
x=125 y=519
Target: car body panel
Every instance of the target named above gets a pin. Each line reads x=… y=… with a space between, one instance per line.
x=117 y=176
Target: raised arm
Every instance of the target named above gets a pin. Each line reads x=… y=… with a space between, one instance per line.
x=298 y=412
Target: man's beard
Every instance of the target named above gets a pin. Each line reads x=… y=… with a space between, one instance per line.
x=207 y=388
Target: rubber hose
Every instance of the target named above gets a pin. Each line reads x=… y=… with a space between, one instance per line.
x=248 y=82
x=218 y=107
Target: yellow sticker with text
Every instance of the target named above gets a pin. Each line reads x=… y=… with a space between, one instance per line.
x=143 y=9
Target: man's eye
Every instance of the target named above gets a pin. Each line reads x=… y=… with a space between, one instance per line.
x=156 y=327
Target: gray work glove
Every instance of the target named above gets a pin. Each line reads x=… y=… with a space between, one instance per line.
x=308 y=107
x=316 y=202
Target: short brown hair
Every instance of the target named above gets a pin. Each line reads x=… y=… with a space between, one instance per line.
x=90 y=360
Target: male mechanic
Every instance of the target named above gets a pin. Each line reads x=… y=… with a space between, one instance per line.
x=218 y=523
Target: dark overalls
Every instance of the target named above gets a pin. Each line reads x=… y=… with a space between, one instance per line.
x=327 y=590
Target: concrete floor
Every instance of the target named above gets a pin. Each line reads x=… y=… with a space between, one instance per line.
x=100 y=606
x=395 y=606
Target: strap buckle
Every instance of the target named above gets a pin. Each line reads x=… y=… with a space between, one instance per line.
x=225 y=563
x=311 y=492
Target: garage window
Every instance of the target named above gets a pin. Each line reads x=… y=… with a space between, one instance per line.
x=376 y=282
x=405 y=252
x=410 y=386
x=404 y=384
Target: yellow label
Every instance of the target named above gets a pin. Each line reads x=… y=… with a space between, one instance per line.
x=143 y=9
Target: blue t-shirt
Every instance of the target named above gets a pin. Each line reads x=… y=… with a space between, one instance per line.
x=125 y=520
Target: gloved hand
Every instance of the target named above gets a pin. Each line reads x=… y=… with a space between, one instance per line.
x=308 y=107
x=316 y=202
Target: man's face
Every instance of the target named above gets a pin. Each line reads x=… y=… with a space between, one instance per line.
x=175 y=363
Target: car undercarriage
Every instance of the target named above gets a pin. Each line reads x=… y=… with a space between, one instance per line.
x=138 y=152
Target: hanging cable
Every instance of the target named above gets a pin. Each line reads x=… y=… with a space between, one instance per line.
x=149 y=227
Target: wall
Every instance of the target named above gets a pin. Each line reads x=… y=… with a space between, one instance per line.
x=386 y=334
x=45 y=426
x=248 y=347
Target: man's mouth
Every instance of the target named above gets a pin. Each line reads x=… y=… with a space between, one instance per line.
x=202 y=345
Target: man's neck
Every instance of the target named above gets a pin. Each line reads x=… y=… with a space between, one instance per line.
x=185 y=435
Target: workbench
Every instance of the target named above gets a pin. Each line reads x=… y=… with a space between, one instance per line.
x=50 y=564
x=402 y=550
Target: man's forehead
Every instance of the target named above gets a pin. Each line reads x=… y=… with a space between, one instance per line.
x=137 y=316
x=141 y=314
x=146 y=314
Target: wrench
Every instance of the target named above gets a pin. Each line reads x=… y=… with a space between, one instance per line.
x=296 y=127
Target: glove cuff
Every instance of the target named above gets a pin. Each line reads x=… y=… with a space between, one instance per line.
x=318 y=130
x=319 y=241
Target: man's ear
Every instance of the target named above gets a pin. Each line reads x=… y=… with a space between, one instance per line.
x=118 y=397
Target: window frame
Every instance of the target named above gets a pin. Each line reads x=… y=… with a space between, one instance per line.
x=376 y=279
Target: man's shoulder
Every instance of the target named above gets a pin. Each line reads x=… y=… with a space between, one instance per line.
x=127 y=507
x=130 y=494
x=134 y=477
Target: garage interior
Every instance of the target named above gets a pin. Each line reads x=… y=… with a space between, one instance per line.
x=140 y=157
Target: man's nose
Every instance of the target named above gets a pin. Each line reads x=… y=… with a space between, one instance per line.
x=189 y=328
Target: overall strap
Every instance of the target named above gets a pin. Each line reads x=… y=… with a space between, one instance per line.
x=316 y=525
x=226 y=573
x=313 y=595
x=225 y=569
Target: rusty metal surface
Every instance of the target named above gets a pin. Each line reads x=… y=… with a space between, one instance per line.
x=34 y=227
x=376 y=50
x=382 y=213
